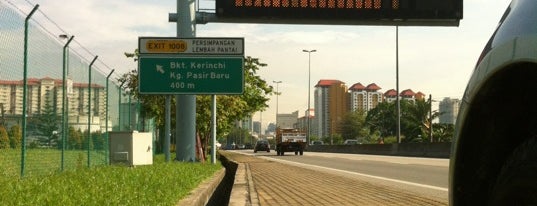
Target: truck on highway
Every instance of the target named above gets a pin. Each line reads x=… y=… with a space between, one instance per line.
x=290 y=140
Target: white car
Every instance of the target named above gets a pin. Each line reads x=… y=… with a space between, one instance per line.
x=351 y=142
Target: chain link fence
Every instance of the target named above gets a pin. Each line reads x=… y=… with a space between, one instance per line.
x=71 y=99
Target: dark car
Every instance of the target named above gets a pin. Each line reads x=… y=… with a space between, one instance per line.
x=317 y=142
x=262 y=145
x=248 y=146
x=494 y=152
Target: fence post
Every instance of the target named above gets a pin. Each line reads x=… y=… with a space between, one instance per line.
x=130 y=110
x=106 y=119
x=138 y=114
x=89 y=109
x=119 y=105
x=64 y=97
x=25 y=89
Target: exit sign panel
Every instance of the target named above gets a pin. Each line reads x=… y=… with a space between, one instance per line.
x=191 y=75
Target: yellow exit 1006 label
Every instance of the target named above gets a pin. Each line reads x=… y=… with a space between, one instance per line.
x=166 y=46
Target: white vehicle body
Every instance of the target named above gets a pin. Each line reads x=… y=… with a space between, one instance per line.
x=293 y=137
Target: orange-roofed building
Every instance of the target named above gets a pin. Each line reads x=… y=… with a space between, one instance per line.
x=419 y=96
x=330 y=102
x=364 y=98
x=407 y=94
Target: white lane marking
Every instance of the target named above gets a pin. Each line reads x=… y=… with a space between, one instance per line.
x=360 y=174
x=441 y=162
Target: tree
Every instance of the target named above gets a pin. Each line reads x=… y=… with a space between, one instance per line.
x=15 y=134
x=353 y=125
x=334 y=139
x=87 y=143
x=238 y=136
x=4 y=139
x=443 y=132
x=418 y=115
x=414 y=119
x=74 y=140
x=2 y=113
x=411 y=121
x=230 y=108
x=151 y=105
x=48 y=123
x=382 y=118
x=98 y=140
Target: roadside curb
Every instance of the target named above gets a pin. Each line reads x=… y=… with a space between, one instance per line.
x=243 y=192
x=201 y=195
x=239 y=193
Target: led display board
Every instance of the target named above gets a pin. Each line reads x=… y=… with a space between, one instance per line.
x=368 y=12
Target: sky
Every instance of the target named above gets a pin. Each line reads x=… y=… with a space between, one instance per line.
x=432 y=60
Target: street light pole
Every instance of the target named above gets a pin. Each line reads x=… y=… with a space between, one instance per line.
x=431 y=117
x=277 y=94
x=398 y=99
x=308 y=138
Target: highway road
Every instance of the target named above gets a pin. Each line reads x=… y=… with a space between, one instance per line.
x=423 y=175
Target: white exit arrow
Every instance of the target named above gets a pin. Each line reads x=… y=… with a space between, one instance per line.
x=159 y=69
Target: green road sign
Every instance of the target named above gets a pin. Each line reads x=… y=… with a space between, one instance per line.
x=191 y=75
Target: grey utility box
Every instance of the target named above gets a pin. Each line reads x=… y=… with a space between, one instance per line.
x=131 y=148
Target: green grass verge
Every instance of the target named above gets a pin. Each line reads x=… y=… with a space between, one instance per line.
x=158 y=184
x=47 y=161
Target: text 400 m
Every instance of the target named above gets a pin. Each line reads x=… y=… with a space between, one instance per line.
x=182 y=85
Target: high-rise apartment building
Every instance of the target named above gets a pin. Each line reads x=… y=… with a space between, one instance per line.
x=302 y=123
x=287 y=121
x=449 y=109
x=364 y=98
x=257 y=127
x=247 y=123
x=271 y=128
x=330 y=106
x=47 y=93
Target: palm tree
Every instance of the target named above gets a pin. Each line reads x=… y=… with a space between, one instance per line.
x=415 y=120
